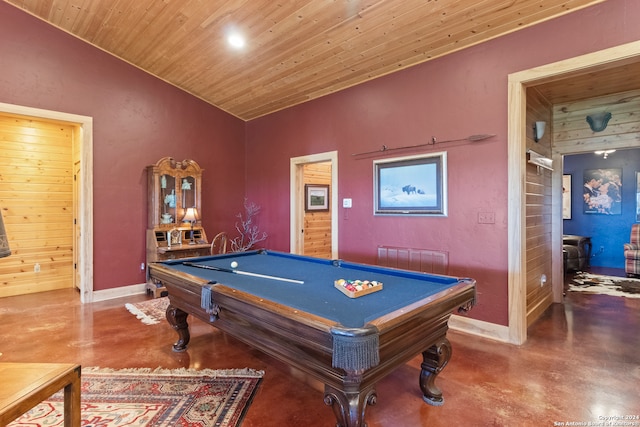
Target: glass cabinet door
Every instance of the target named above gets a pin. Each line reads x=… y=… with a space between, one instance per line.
x=188 y=189
x=172 y=188
x=168 y=199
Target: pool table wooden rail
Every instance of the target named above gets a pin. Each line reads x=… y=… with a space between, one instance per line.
x=305 y=341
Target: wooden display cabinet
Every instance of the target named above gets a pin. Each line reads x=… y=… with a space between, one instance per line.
x=173 y=187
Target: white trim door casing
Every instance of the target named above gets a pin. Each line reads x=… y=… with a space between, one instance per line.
x=296 y=200
x=517 y=99
x=85 y=189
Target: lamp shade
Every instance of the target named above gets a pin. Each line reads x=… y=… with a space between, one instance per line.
x=538 y=129
x=191 y=215
x=5 y=251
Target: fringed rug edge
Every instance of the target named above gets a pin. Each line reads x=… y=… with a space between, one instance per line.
x=147 y=320
x=235 y=372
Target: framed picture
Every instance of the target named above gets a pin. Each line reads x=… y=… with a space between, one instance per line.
x=566 y=196
x=316 y=197
x=412 y=185
x=602 y=191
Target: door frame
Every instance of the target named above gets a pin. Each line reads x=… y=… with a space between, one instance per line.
x=296 y=200
x=517 y=105
x=84 y=266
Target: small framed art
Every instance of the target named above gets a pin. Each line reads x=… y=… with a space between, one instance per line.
x=566 y=196
x=316 y=197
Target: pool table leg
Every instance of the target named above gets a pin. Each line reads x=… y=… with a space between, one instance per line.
x=178 y=321
x=349 y=406
x=433 y=361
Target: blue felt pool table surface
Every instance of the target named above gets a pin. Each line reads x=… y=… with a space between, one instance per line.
x=317 y=295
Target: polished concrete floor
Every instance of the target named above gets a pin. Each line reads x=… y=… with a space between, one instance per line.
x=581 y=363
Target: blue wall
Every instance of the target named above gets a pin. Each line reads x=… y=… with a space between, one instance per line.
x=608 y=231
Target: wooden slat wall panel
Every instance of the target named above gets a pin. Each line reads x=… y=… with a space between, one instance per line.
x=317 y=225
x=36 y=197
x=571 y=132
x=538 y=212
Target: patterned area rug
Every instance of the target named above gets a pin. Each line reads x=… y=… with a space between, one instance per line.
x=151 y=311
x=160 y=398
x=608 y=285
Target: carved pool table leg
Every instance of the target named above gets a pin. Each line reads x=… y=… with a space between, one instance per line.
x=178 y=321
x=349 y=407
x=433 y=361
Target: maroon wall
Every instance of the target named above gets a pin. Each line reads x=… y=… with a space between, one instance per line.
x=137 y=120
x=452 y=97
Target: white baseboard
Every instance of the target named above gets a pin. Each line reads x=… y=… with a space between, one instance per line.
x=120 y=292
x=479 y=328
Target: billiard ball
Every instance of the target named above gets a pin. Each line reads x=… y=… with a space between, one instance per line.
x=234 y=264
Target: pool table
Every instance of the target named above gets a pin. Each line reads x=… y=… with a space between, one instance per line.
x=287 y=306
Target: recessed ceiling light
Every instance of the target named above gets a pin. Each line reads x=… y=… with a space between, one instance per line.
x=236 y=40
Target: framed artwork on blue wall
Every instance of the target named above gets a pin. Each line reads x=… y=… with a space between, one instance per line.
x=412 y=185
x=566 y=196
x=602 y=191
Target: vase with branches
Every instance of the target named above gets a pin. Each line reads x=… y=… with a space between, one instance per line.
x=249 y=231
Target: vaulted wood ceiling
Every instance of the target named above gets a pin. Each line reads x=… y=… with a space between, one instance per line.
x=296 y=50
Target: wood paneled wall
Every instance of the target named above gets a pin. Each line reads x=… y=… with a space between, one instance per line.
x=538 y=212
x=317 y=225
x=36 y=197
x=571 y=132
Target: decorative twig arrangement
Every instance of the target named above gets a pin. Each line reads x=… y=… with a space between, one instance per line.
x=249 y=233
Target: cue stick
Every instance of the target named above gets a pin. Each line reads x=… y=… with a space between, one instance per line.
x=245 y=273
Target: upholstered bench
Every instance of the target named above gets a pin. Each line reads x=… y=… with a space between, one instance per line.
x=576 y=251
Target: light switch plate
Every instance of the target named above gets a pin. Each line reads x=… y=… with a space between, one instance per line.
x=486 y=218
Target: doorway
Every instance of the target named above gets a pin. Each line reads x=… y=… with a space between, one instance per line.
x=83 y=188
x=607 y=219
x=298 y=165
x=607 y=61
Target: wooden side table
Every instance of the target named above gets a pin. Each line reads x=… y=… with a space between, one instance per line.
x=24 y=385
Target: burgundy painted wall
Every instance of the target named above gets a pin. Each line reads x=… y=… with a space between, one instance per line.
x=450 y=98
x=137 y=120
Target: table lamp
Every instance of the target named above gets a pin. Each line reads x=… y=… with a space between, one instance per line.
x=191 y=216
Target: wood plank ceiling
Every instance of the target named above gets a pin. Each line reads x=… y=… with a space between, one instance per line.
x=296 y=50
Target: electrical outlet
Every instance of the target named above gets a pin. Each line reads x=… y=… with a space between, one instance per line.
x=36 y=268
x=142 y=266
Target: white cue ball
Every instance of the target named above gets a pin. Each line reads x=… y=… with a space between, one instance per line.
x=234 y=264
